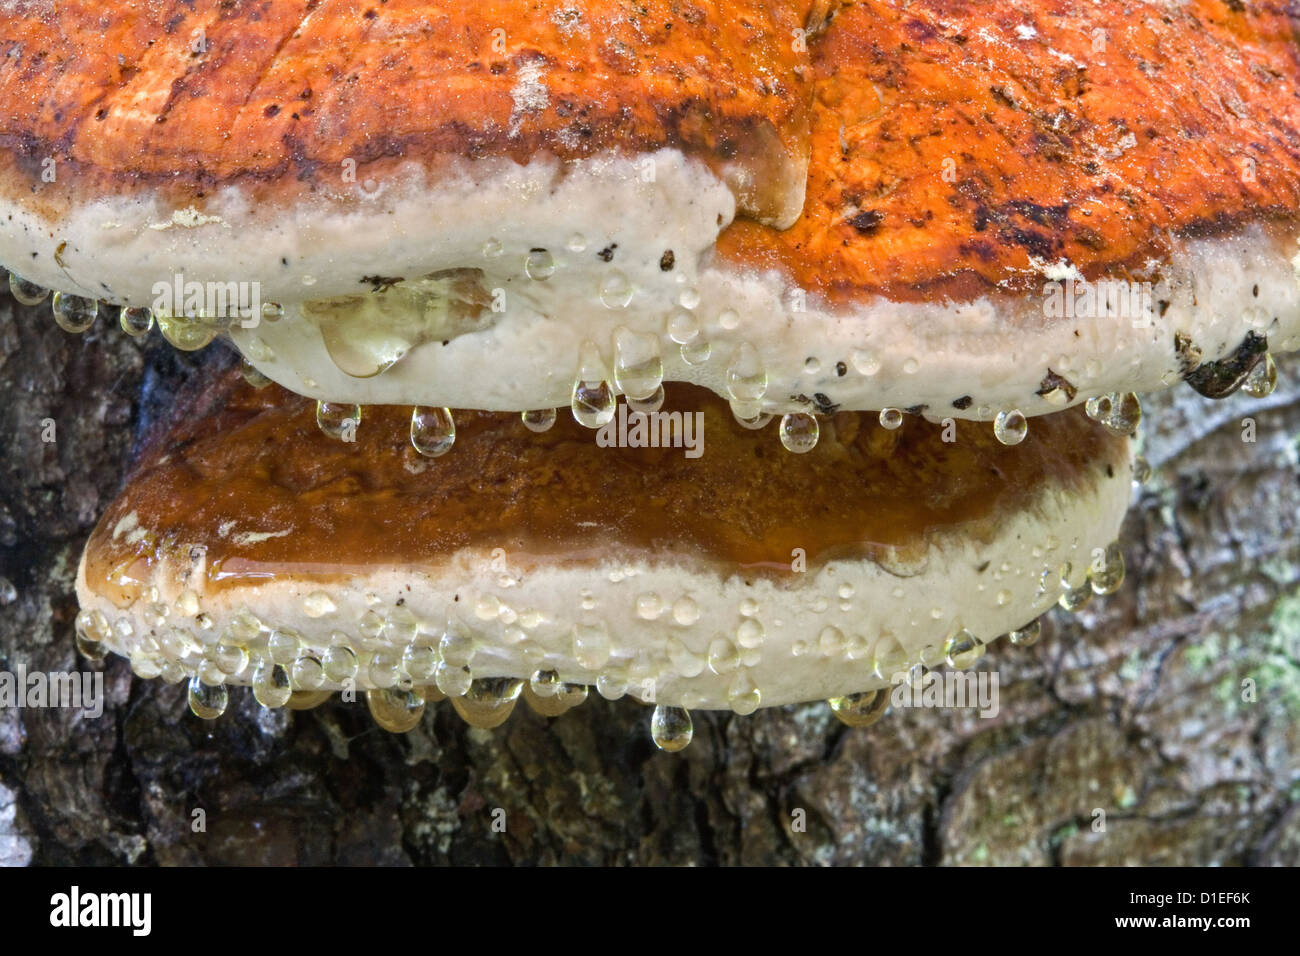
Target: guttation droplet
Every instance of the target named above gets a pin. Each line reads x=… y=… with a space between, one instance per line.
x=74 y=313
x=638 y=366
x=891 y=418
x=1262 y=379
x=1106 y=575
x=746 y=377
x=1010 y=427
x=488 y=702
x=27 y=293
x=671 y=728
x=539 y=265
x=963 y=650
x=394 y=709
x=207 y=700
x=799 y=432
x=1028 y=635
x=136 y=322
x=433 y=431
x=539 y=419
x=860 y=710
x=1121 y=412
x=338 y=421
x=593 y=402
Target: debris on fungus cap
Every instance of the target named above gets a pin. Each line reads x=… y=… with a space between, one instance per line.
x=249 y=547
x=956 y=208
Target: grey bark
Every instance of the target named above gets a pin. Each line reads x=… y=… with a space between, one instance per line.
x=1133 y=707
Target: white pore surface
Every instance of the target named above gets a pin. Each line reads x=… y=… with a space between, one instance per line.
x=994 y=352
x=676 y=633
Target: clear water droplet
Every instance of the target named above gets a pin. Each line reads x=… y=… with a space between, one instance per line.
x=307 y=673
x=593 y=402
x=540 y=265
x=185 y=332
x=73 y=313
x=638 y=367
x=452 y=679
x=746 y=376
x=683 y=327
x=396 y=710
x=1011 y=427
x=750 y=414
x=338 y=420
x=1107 y=575
x=1028 y=635
x=615 y=290
x=799 y=432
x=591 y=646
x=271 y=685
x=207 y=700
x=27 y=293
x=963 y=650
x=136 y=322
x=492 y=248
x=433 y=431
x=1262 y=379
x=696 y=352
x=339 y=663
x=891 y=418
x=862 y=709
x=538 y=419
x=671 y=728
x=648 y=405
x=488 y=702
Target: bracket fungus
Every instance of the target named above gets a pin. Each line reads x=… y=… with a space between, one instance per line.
x=943 y=244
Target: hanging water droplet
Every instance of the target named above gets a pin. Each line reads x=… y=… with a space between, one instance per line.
x=272 y=312
x=252 y=376
x=187 y=333
x=746 y=376
x=671 y=728
x=799 y=432
x=891 y=418
x=419 y=661
x=207 y=700
x=28 y=293
x=73 y=313
x=638 y=368
x=452 y=679
x=384 y=669
x=1028 y=635
x=888 y=658
x=1125 y=413
x=860 y=710
x=749 y=414
x=963 y=650
x=271 y=685
x=743 y=695
x=1075 y=599
x=591 y=646
x=683 y=327
x=1262 y=379
x=433 y=431
x=615 y=290
x=696 y=352
x=1010 y=427
x=488 y=702
x=307 y=673
x=337 y=420
x=1107 y=575
x=538 y=419
x=649 y=405
x=593 y=402
x=230 y=658
x=563 y=698
x=307 y=699
x=729 y=320
x=545 y=683
x=92 y=629
x=394 y=709
x=339 y=663
x=539 y=265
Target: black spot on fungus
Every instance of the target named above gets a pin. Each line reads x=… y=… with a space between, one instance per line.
x=380 y=283
x=606 y=254
x=667 y=261
x=272 y=110
x=1220 y=379
x=824 y=404
x=1051 y=382
x=867 y=222
x=963 y=403
x=917 y=409
x=841 y=369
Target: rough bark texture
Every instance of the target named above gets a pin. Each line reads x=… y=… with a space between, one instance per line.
x=1135 y=707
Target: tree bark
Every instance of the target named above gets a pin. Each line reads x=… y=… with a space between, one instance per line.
x=1140 y=706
